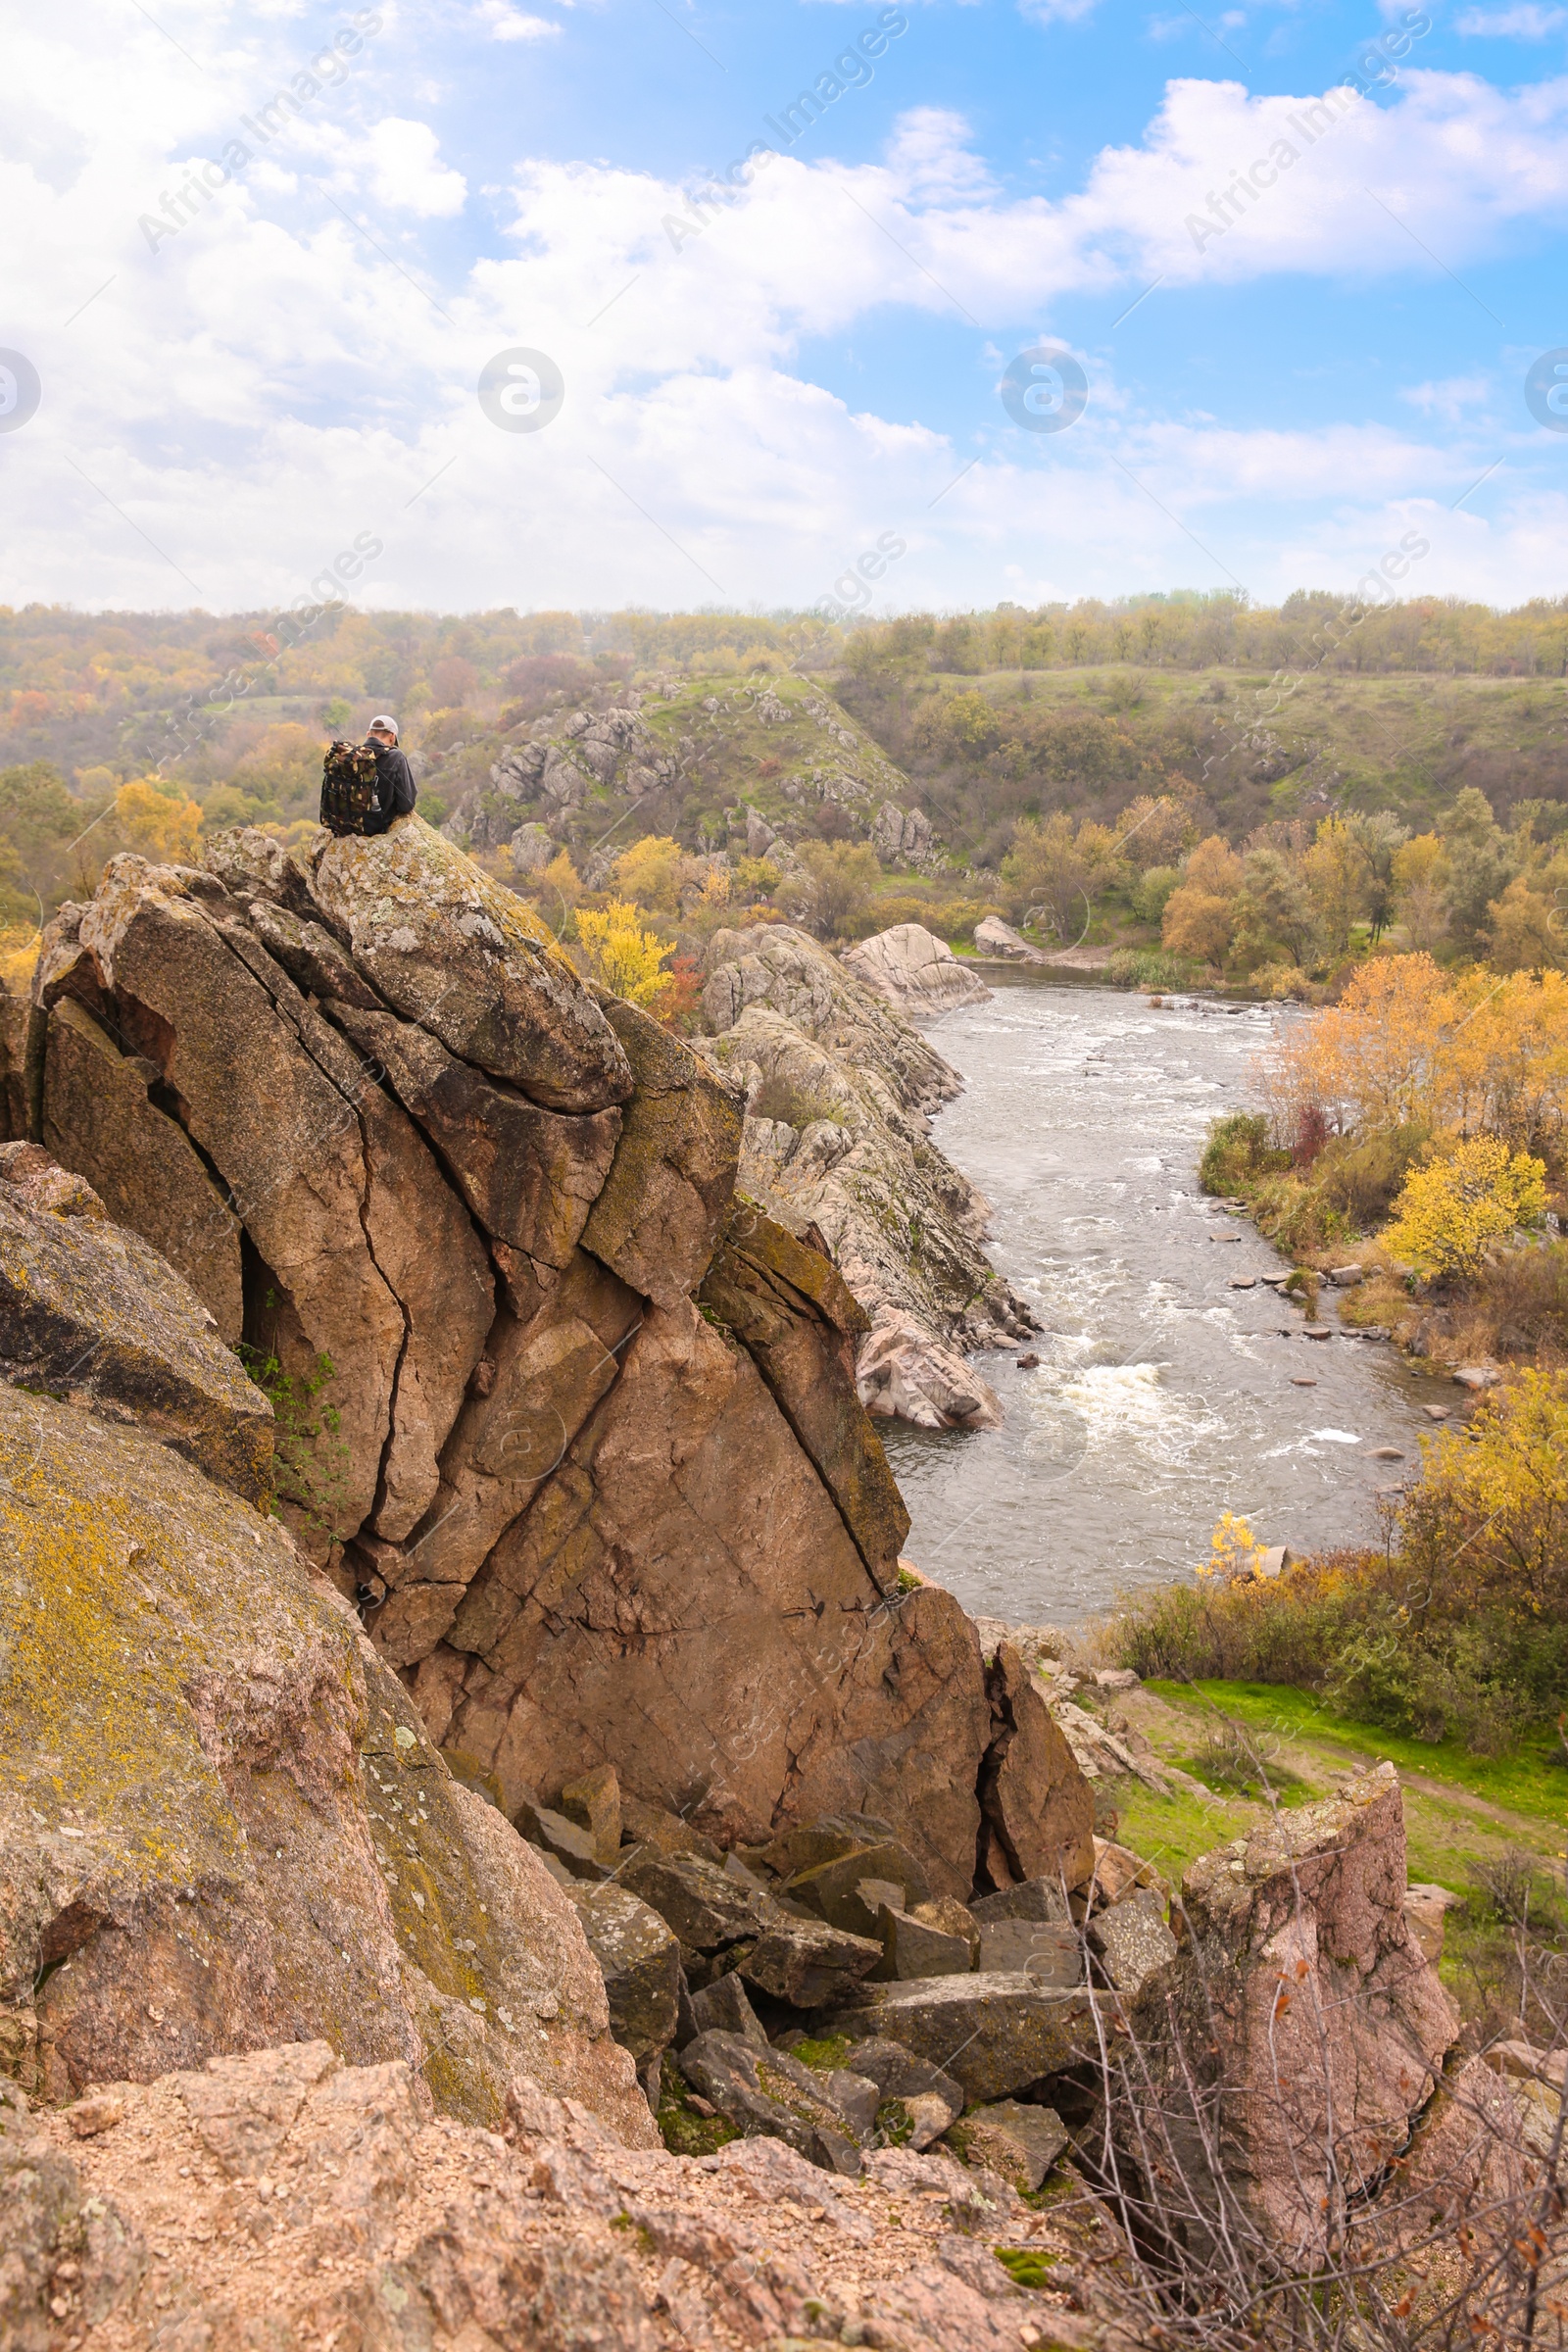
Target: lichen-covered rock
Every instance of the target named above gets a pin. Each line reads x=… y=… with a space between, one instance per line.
x=89 y=1312
x=770 y=2092
x=221 y=1822
x=508 y=999
x=639 y=1959
x=1131 y=1940
x=994 y=2034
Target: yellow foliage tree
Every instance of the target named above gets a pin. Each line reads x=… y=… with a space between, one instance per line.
x=1491 y=1512
x=1337 y=875
x=648 y=872
x=162 y=827
x=621 y=954
x=1233 y=1549
x=1452 y=1208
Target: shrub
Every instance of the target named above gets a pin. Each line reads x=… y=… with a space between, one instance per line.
x=1451 y=1208
x=1237 y=1152
x=1459 y=1628
x=1145 y=967
x=1362 y=1175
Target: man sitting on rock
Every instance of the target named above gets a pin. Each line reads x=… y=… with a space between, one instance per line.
x=395 y=788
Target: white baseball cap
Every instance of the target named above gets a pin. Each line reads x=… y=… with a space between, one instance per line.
x=390 y=724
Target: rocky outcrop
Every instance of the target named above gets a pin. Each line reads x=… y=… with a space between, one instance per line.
x=582 y=1443
x=993 y=937
x=223 y=1823
x=91 y=1315
x=840 y=1091
x=915 y=972
x=1301 y=2030
x=286 y=2199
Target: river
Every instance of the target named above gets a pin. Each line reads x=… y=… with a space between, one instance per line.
x=1163 y=1396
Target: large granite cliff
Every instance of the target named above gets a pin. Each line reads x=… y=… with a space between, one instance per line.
x=574 y=1424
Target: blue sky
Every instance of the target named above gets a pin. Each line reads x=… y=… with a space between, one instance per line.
x=1285 y=382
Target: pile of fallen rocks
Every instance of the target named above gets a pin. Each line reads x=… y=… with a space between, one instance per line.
x=812 y=1991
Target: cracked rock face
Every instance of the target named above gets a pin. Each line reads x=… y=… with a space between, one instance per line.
x=221 y=1823
x=1312 y=2022
x=590 y=1454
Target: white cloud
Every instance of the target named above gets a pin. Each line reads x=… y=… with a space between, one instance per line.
x=1056 y=12
x=408 y=174
x=1523 y=24
x=268 y=384
x=505 y=22
x=1451 y=399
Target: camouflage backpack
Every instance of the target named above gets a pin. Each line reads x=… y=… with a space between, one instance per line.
x=348 y=787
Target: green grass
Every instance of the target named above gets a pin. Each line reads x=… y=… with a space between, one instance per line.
x=1526 y=1783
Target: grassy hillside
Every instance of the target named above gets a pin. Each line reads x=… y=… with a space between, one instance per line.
x=986 y=748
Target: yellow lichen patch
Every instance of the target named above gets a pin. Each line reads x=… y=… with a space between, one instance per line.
x=124 y=1571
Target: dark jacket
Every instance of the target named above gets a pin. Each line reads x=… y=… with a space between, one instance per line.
x=395 y=788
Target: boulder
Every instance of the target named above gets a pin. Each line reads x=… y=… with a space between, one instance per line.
x=832 y=1889
x=228 y=1827
x=805 y=1962
x=1131 y=1940
x=911 y=1948
x=90 y=1313
x=1047 y=1952
x=1020 y=2144
x=1302 y=2015
x=593 y=1802
x=917 y=2101
x=639 y=1960
x=1032 y=1792
x=995 y=2035
x=770 y=2092
x=1426 y=1914
x=448 y=947
x=722 y=2007
x=915 y=972
x=665 y=1832
x=906 y=1373
x=993 y=937
x=554 y=1833
x=1032 y=1898
x=706 y=1909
